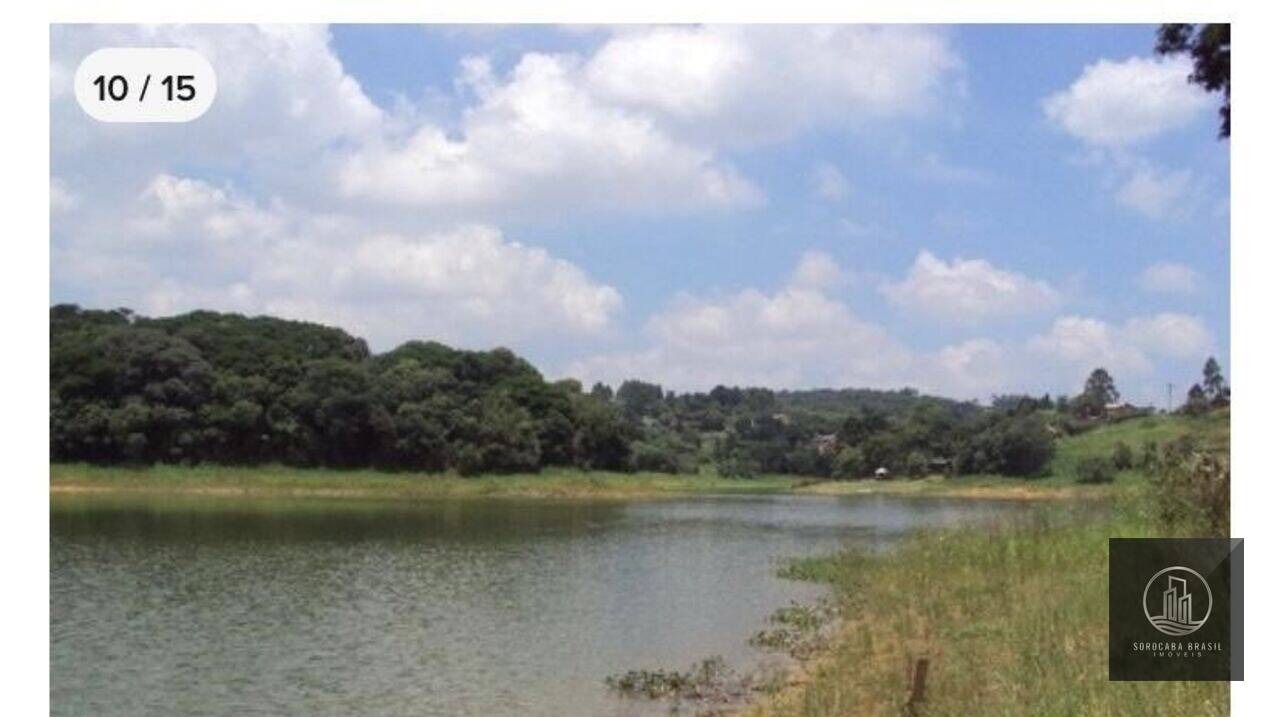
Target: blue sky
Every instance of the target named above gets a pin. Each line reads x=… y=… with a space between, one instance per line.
x=969 y=210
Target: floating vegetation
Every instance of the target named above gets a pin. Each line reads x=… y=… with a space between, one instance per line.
x=707 y=683
x=797 y=629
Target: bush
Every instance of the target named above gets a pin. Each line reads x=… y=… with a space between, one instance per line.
x=1122 y=456
x=849 y=464
x=736 y=467
x=1012 y=446
x=652 y=458
x=1192 y=487
x=1095 y=469
x=917 y=465
x=1150 y=456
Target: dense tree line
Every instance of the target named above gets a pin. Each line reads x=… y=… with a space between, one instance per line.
x=229 y=389
x=224 y=388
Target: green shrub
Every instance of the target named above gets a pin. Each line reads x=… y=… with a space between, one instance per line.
x=1095 y=469
x=1122 y=456
x=1192 y=487
x=849 y=464
x=1011 y=446
x=652 y=458
x=1150 y=456
x=917 y=464
x=736 y=467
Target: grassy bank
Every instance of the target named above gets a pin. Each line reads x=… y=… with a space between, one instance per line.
x=283 y=481
x=1013 y=621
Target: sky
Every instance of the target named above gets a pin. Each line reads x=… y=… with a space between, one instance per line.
x=965 y=210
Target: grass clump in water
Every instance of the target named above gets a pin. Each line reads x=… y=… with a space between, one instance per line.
x=797 y=629
x=710 y=682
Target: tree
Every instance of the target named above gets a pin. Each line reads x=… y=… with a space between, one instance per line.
x=1215 y=387
x=1017 y=445
x=1099 y=390
x=861 y=425
x=602 y=392
x=639 y=398
x=1209 y=46
x=1196 y=403
x=849 y=464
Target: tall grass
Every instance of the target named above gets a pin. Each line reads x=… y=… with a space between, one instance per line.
x=1013 y=621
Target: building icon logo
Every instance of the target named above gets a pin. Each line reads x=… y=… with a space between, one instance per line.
x=1177 y=601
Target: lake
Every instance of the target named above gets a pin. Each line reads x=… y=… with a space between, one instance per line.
x=204 y=606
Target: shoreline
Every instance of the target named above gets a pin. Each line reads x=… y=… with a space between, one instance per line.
x=971 y=591
x=278 y=482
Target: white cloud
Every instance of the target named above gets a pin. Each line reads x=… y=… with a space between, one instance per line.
x=1155 y=194
x=627 y=126
x=539 y=138
x=801 y=336
x=752 y=83
x=283 y=100
x=465 y=284
x=829 y=182
x=61 y=198
x=640 y=124
x=1169 y=277
x=1116 y=104
x=972 y=369
x=1168 y=334
x=816 y=270
x=1083 y=343
x=794 y=337
x=798 y=336
x=968 y=290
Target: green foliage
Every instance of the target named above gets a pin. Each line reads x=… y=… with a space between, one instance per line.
x=1150 y=455
x=638 y=398
x=224 y=388
x=797 y=629
x=850 y=464
x=975 y=602
x=1013 y=445
x=1197 y=402
x=1099 y=390
x=1192 y=488
x=710 y=681
x=218 y=388
x=1122 y=456
x=1209 y=46
x=1095 y=469
x=917 y=464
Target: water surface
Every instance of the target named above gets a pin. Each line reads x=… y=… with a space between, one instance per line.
x=204 y=606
